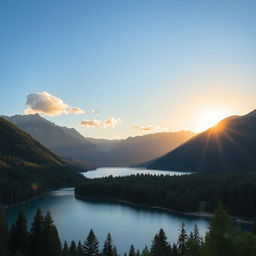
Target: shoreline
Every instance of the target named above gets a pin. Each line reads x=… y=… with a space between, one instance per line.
x=207 y=215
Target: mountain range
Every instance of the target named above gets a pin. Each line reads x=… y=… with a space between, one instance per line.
x=27 y=168
x=228 y=146
x=70 y=144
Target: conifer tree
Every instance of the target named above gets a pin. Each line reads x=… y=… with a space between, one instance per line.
x=72 y=249
x=182 y=240
x=18 y=237
x=219 y=239
x=90 y=246
x=79 y=250
x=175 y=251
x=4 y=250
x=145 y=252
x=65 y=251
x=51 y=240
x=115 y=251
x=137 y=253
x=132 y=251
x=108 y=246
x=36 y=235
x=160 y=245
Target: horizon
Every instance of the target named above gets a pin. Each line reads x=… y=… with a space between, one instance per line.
x=115 y=70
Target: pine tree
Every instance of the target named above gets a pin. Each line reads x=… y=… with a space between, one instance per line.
x=219 y=239
x=51 y=240
x=90 y=246
x=145 y=252
x=65 y=251
x=18 y=237
x=4 y=250
x=132 y=251
x=72 y=249
x=175 y=251
x=182 y=240
x=137 y=253
x=160 y=245
x=108 y=246
x=36 y=235
x=115 y=251
x=79 y=251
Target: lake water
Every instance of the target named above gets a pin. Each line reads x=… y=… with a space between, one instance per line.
x=127 y=224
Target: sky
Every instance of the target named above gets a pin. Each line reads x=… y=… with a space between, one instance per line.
x=119 y=68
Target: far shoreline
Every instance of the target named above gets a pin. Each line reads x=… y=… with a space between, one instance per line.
x=206 y=215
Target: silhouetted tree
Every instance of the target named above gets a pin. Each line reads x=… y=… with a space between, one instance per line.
x=4 y=250
x=90 y=246
x=18 y=237
x=182 y=240
x=132 y=251
x=108 y=246
x=72 y=249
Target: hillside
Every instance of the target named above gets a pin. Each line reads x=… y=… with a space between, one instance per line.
x=228 y=146
x=64 y=141
x=134 y=150
x=27 y=168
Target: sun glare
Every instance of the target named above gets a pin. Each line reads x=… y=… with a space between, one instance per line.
x=210 y=118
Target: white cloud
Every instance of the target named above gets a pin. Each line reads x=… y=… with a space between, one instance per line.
x=46 y=103
x=149 y=128
x=109 y=122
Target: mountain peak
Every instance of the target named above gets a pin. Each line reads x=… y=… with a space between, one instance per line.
x=252 y=113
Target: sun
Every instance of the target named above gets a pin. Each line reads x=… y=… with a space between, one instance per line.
x=210 y=118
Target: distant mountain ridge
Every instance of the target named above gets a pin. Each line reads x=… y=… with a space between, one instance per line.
x=69 y=143
x=27 y=168
x=64 y=141
x=134 y=150
x=228 y=146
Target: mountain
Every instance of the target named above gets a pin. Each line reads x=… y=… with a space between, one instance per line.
x=134 y=150
x=228 y=146
x=27 y=168
x=64 y=141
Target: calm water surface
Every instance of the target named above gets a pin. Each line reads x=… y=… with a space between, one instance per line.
x=127 y=224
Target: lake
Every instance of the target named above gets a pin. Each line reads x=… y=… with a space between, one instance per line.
x=127 y=224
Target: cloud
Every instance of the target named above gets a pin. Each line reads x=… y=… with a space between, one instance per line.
x=109 y=122
x=149 y=128
x=46 y=103
x=91 y=123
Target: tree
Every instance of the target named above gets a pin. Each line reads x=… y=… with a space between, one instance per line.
x=36 y=235
x=219 y=239
x=145 y=252
x=51 y=240
x=108 y=246
x=79 y=251
x=160 y=245
x=90 y=246
x=3 y=234
x=132 y=251
x=182 y=240
x=175 y=251
x=18 y=238
x=65 y=251
x=72 y=249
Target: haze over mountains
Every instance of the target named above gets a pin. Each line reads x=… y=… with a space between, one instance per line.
x=135 y=150
x=66 y=142
x=228 y=146
x=69 y=143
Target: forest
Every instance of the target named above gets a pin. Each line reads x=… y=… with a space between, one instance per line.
x=186 y=193
x=41 y=239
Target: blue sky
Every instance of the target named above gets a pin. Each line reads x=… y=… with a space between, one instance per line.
x=166 y=64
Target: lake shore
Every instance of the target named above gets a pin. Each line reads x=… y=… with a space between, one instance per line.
x=207 y=215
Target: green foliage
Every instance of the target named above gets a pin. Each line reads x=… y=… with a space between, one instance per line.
x=160 y=245
x=188 y=193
